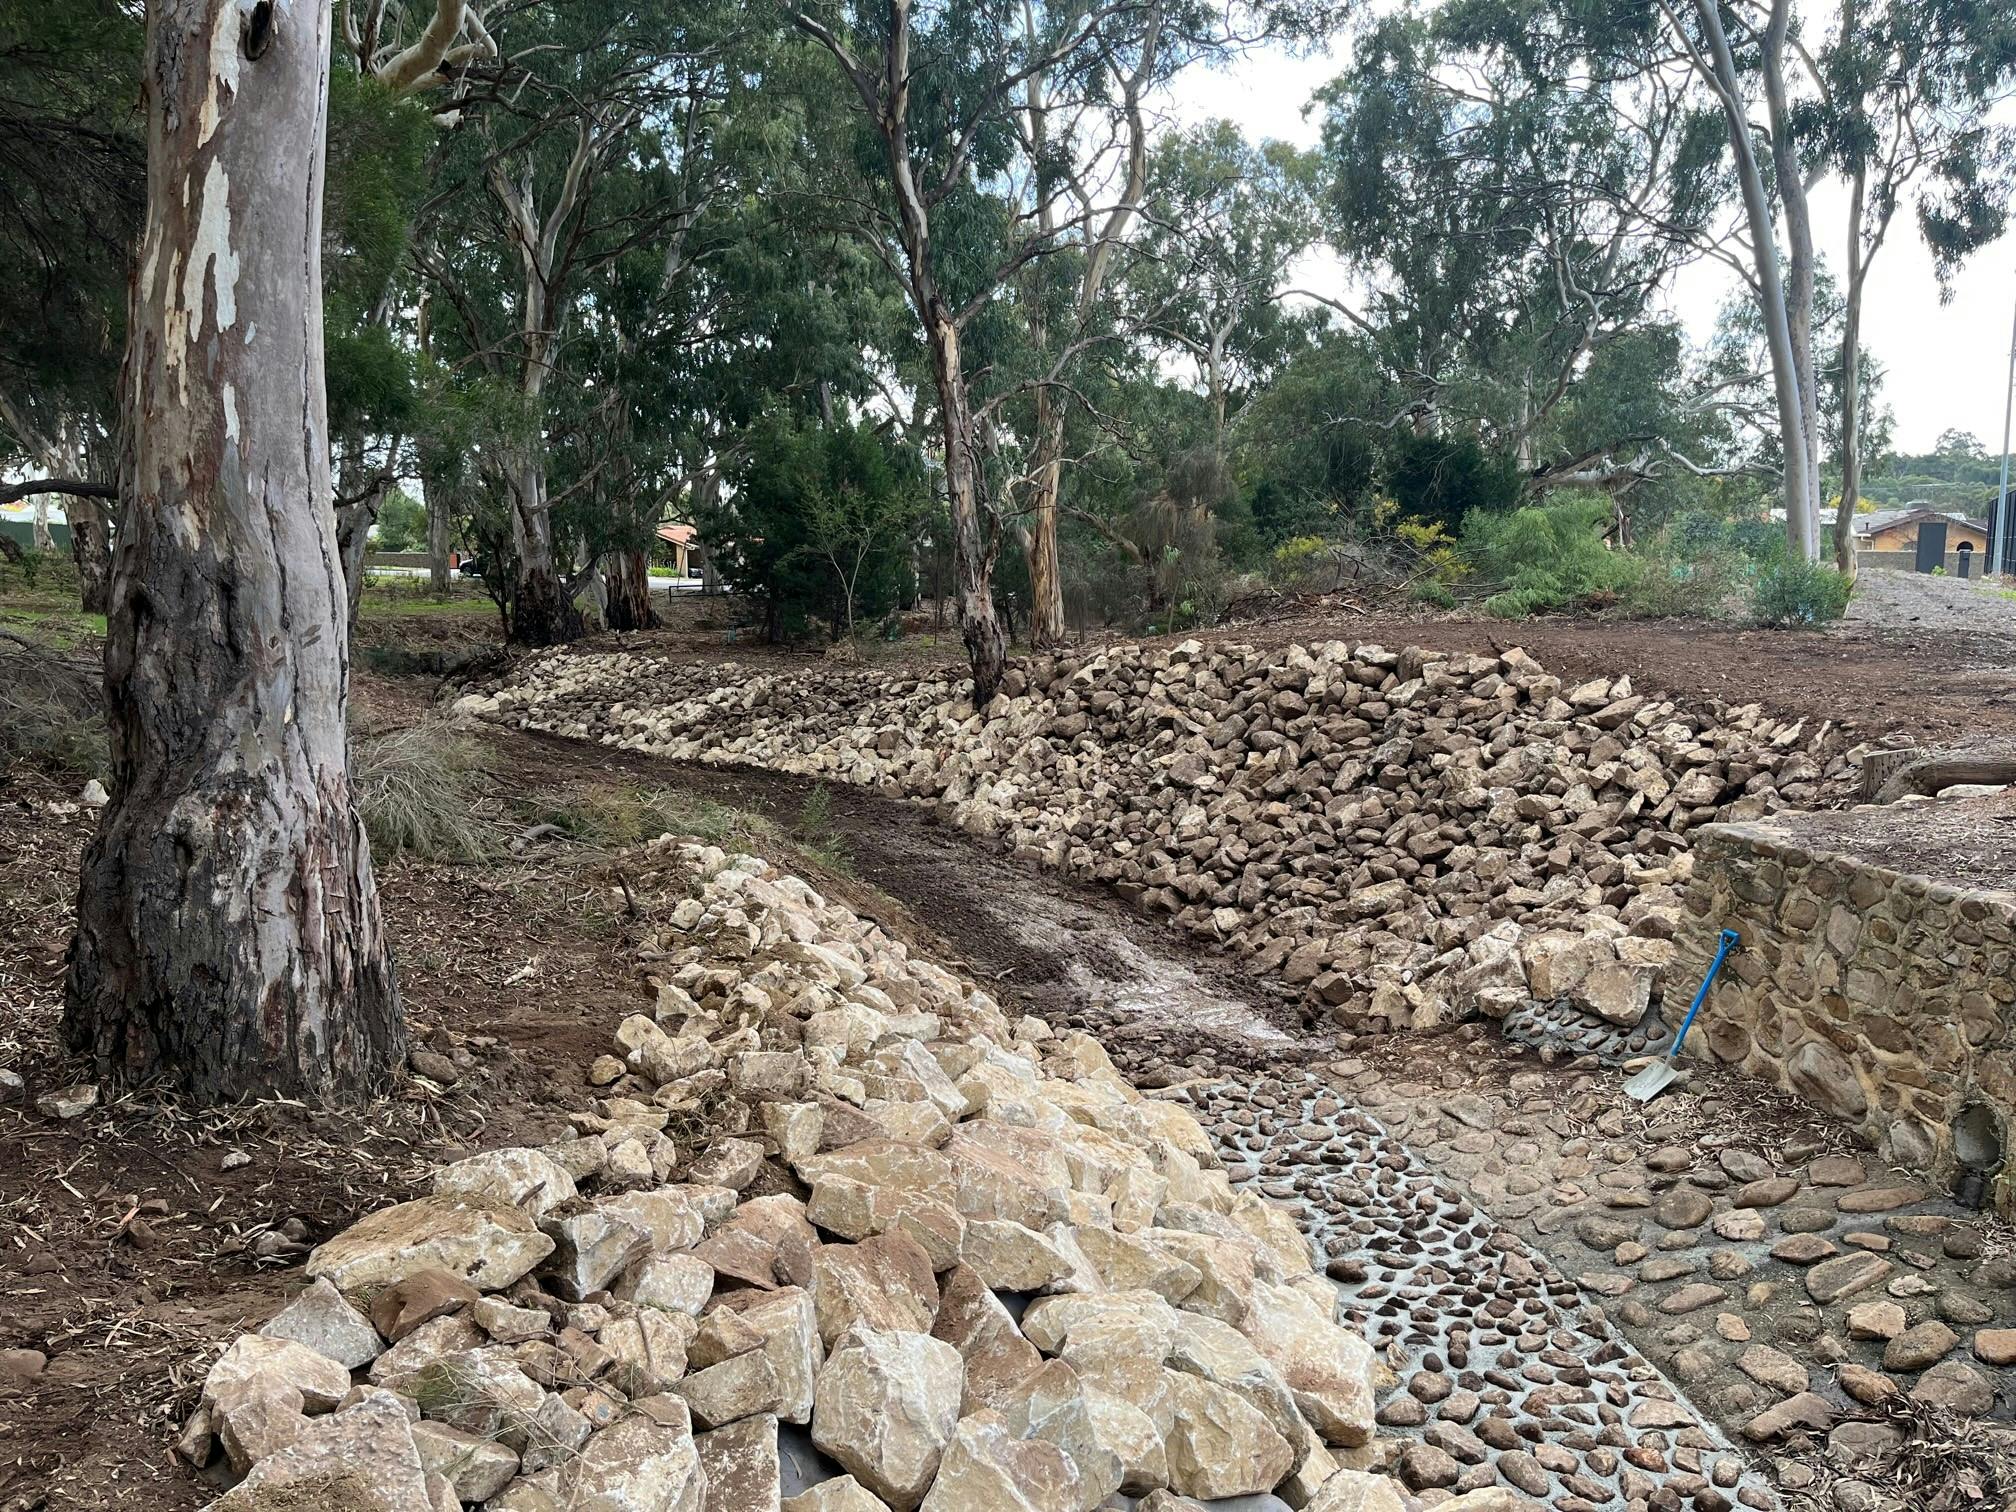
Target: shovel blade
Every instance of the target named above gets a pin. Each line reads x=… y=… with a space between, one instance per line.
x=1650 y=1082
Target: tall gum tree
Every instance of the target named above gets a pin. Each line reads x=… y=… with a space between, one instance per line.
x=228 y=933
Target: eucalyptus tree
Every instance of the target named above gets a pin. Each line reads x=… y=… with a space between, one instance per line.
x=1890 y=97
x=72 y=190
x=1901 y=105
x=1516 y=192
x=228 y=931
x=586 y=158
x=1232 y=219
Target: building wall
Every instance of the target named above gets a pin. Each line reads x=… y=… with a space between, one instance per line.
x=1907 y=561
x=1887 y=1000
x=1904 y=537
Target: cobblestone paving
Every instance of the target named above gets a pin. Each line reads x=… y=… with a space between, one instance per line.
x=1501 y=1376
x=1795 y=1289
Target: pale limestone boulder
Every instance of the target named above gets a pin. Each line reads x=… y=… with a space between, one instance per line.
x=1131 y=1437
x=1131 y=1264
x=1132 y=1325
x=397 y=1368
x=1137 y=1193
x=986 y=1468
x=488 y=1244
x=1219 y=1444
x=885 y=1408
x=841 y=1494
x=648 y=1352
x=1009 y=1257
x=777 y=1378
x=319 y=1318
x=590 y=1248
x=1051 y=1404
x=918 y=1123
x=556 y=1433
x=507 y=1324
x=481 y=1391
x=1227 y=1270
x=767 y=1242
x=743 y=1470
x=972 y=1320
x=1274 y=1225
x=477 y=1468
x=259 y=1366
x=524 y=1178
x=361 y=1459
x=1219 y=1353
x=884 y=1283
x=677 y=1282
x=858 y=1210
x=794 y=1128
x=1328 y=1367
x=640 y=1463
x=676 y=1217
x=1356 y=1491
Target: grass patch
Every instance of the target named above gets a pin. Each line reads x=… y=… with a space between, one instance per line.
x=617 y=818
x=816 y=834
x=420 y=791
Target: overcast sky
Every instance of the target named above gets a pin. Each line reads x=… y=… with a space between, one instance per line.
x=1945 y=365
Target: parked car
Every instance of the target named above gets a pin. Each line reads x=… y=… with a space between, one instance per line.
x=471 y=566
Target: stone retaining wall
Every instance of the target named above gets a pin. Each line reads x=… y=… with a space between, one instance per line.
x=1886 y=999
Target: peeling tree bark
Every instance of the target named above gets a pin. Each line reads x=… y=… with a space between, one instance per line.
x=629 y=581
x=228 y=933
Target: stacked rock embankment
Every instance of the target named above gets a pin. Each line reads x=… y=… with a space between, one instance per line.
x=837 y=1237
x=1403 y=837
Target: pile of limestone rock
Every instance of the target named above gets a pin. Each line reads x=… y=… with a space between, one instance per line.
x=1403 y=837
x=837 y=1237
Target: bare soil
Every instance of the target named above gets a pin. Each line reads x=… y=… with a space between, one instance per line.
x=128 y=1254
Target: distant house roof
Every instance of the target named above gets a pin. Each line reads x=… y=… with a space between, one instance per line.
x=678 y=535
x=1882 y=519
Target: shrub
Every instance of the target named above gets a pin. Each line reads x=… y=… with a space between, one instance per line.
x=1792 y=592
x=1546 y=556
x=1433 y=591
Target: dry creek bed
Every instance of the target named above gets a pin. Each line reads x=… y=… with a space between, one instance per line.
x=1601 y=1306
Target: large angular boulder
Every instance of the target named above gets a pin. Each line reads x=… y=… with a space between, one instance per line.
x=742 y=1466
x=1219 y=1444
x=972 y=1320
x=489 y=1244
x=1328 y=1367
x=986 y=1468
x=640 y=1463
x=776 y=1377
x=884 y=1282
x=361 y=1459
x=1053 y=1405
x=321 y=1319
x=523 y=1178
x=885 y=1409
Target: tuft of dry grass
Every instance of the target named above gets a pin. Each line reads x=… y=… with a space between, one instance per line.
x=422 y=791
x=50 y=706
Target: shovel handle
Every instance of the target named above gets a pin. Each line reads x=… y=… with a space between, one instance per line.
x=1729 y=938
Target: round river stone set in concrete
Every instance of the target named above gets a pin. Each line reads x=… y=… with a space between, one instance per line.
x=1501 y=1376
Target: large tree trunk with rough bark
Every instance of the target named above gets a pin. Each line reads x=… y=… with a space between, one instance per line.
x=542 y=610
x=228 y=933
x=629 y=580
x=972 y=554
x=91 y=550
x=437 y=547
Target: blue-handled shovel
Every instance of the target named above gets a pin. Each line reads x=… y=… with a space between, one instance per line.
x=1658 y=1076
